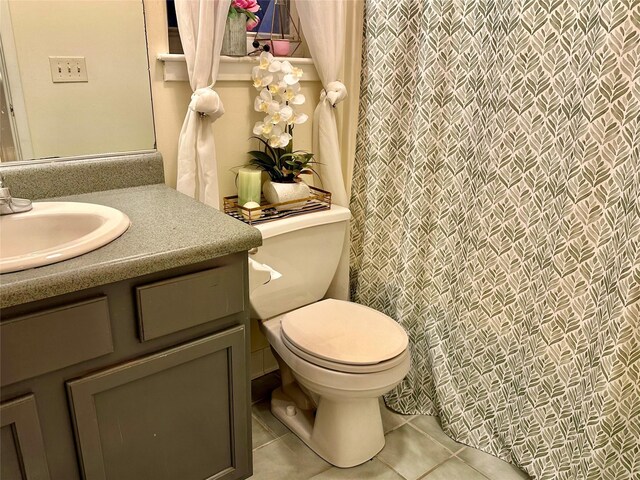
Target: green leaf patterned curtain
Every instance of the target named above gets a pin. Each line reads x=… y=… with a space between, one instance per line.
x=496 y=202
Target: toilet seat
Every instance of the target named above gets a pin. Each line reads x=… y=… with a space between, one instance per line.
x=345 y=367
x=345 y=337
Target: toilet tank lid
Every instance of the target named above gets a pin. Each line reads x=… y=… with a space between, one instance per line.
x=298 y=222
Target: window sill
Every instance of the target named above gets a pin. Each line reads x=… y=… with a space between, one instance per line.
x=231 y=68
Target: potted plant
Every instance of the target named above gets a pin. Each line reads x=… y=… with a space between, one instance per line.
x=241 y=17
x=279 y=98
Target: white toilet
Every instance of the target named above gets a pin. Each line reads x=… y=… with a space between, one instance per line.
x=336 y=358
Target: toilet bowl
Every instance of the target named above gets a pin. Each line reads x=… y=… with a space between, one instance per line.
x=336 y=358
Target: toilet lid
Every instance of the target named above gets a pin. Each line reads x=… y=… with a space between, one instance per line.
x=344 y=332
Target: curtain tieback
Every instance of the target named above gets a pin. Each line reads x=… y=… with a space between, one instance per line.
x=207 y=103
x=334 y=93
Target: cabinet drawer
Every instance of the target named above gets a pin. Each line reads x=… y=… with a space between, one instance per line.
x=53 y=339
x=182 y=302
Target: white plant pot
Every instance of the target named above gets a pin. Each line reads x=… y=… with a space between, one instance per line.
x=284 y=192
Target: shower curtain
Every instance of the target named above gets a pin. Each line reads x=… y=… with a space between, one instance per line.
x=496 y=203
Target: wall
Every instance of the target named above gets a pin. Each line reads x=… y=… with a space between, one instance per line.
x=231 y=132
x=110 y=113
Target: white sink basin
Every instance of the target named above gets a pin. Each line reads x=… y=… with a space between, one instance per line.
x=56 y=231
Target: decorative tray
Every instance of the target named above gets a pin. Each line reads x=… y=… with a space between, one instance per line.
x=268 y=212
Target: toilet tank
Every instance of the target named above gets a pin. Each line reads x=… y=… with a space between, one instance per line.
x=305 y=250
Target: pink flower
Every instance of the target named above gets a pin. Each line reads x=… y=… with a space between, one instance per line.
x=249 y=5
x=251 y=24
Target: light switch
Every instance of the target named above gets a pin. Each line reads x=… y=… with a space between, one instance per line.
x=68 y=69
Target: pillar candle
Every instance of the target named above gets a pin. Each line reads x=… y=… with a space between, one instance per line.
x=249 y=185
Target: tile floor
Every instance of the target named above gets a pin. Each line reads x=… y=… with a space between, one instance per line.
x=416 y=448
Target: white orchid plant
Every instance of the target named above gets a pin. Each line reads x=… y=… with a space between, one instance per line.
x=279 y=99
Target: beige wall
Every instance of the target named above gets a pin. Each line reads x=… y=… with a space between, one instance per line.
x=231 y=131
x=109 y=113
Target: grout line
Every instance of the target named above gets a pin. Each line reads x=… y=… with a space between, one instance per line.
x=283 y=443
x=325 y=470
x=405 y=419
x=265 y=444
x=263 y=425
x=481 y=472
x=266 y=427
x=453 y=453
x=473 y=468
x=390 y=466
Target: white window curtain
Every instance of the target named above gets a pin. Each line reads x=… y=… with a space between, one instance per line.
x=323 y=24
x=201 y=24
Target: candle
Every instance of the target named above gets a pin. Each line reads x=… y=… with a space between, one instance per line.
x=249 y=185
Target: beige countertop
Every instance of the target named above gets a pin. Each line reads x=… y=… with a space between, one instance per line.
x=168 y=230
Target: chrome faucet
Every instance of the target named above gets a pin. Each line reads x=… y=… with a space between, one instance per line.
x=9 y=204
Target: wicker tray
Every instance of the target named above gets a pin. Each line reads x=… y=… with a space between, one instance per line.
x=318 y=200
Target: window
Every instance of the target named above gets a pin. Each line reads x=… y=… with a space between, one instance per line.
x=275 y=17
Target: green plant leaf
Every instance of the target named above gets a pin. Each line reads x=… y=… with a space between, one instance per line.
x=262 y=156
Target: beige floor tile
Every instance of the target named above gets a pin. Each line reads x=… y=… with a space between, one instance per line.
x=412 y=453
x=454 y=469
x=259 y=434
x=286 y=458
x=371 y=470
x=431 y=426
x=491 y=466
x=391 y=419
x=262 y=410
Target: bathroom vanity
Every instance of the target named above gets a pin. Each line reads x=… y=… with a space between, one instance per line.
x=131 y=362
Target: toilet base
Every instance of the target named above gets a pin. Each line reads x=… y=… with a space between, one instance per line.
x=345 y=433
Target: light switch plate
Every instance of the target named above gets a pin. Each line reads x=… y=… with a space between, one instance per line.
x=68 y=69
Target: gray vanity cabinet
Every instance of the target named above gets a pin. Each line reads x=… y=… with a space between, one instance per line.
x=166 y=416
x=22 y=449
x=143 y=379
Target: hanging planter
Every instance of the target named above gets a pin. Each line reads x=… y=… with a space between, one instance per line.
x=278 y=29
x=281 y=47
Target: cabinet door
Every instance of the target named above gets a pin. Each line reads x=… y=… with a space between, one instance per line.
x=179 y=414
x=23 y=456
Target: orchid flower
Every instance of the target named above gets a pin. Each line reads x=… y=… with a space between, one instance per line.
x=275 y=66
x=260 y=78
x=265 y=60
x=292 y=74
x=278 y=138
x=262 y=101
x=277 y=88
x=297 y=119
x=263 y=128
x=280 y=113
x=278 y=82
x=291 y=94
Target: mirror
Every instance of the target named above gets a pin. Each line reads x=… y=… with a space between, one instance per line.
x=74 y=79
